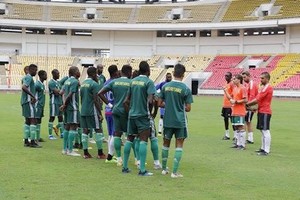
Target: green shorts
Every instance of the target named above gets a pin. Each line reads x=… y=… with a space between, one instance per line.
x=71 y=117
x=54 y=110
x=90 y=122
x=120 y=123
x=28 y=110
x=178 y=132
x=238 y=120
x=39 y=112
x=137 y=125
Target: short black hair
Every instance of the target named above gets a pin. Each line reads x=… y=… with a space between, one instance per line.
x=112 y=69
x=42 y=73
x=72 y=70
x=91 y=71
x=144 y=67
x=32 y=66
x=126 y=70
x=246 y=73
x=179 y=70
x=229 y=73
x=266 y=75
x=54 y=71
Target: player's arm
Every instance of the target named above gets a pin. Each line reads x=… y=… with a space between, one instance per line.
x=66 y=102
x=27 y=91
x=154 y=107
x=227 y=94
x=126 y=103
x=98 y=106
x=101 y=93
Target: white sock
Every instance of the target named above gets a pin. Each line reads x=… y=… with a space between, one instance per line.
x=156 y=162
x=267 y=137
x=250 y=136
x=119 y=159
x=243 y=138
x=262 y=141
x=235 y=134
x=238 y=138
x=160 y=125
x=227 y=133
x=111 y=148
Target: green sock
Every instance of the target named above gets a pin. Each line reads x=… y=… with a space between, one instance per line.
x=26 y=131
x=85 y=141
x=177 y=158
x=117 y=145
x=127 y=148
x=133 y=147
x=164 y=156
x=99 y=140
x=66 y=137
x=61 y=127
x=38 y=131
x=143 y=155
x=72 y=134
x=32 y=132
x=91 y=133
x=79 y=135
x=154 y=148
x=50 y=127
x=136 y=149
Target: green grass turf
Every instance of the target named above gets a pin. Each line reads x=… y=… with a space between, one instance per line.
x=211 y=169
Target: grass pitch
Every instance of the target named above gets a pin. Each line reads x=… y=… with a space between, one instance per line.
x=211 y=169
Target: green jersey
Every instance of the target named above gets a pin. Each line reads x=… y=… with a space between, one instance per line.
x=88 y=90
x=72 y=86
x=119 y=87
x=28 y=81
x=62 y=82
x=40 y=94
x=101 y=80
x=141 y=86
x=175 y=94
x=54 y=98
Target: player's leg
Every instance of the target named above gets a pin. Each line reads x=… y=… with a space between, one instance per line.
x=168 y=133
x=26 y=126
x=248 y=120
x=266 y=134
x=52 y=110
x=73 y=120
x=60 y=124
x=143 y=124
x=99 y=137
x=131 y=131
x=226 y=117
x=110 y=142
x=120 y=126
x=154 y=145
x=85 y=125
x=180 y=135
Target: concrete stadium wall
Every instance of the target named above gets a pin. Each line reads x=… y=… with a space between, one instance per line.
x=145 y=43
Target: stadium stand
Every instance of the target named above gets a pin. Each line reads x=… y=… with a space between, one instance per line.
x=218 y=67
x=241 y=10
x=197 y=62
x=288 y=9
x=24 y=11
x=113 y=15
x=286 y=68
x=67 y=13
